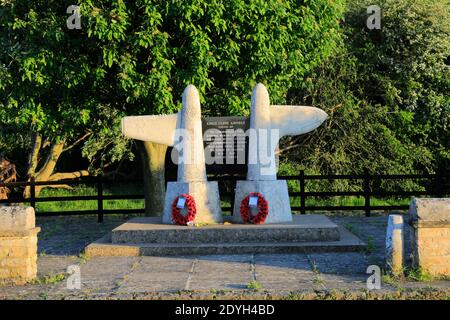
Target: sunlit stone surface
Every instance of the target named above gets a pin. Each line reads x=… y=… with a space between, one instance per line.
x=268 y=124
x=183 y=131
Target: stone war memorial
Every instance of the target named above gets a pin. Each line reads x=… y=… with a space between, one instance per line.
x=192 y=221
x=268 y=124
x=225 y=150
x=183 y=130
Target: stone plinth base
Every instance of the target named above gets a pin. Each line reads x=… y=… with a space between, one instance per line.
x=146 y=236
x=302 y=228
x=276 y=194
x=430 y=220
x=206 y=196
x=18 y=245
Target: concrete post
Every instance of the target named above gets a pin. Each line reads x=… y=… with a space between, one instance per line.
x=18 y=245
x=395 y=244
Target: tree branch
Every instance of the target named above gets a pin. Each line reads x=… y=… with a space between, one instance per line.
x=33 y=157
x=68 y=175
x=280 y=151
x=50 y=163
x=78 y=141
x=60 y=186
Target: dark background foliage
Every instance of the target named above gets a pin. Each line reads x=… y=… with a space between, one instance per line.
x=386 y=91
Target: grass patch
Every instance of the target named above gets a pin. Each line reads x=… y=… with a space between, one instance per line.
x=254 y=285
x=420 y=275
x=350 y=227
x=43 y=295
x=317 y=278
x=393 y=280
x=370 y=248
x=349 y=201
x=86 y=190
x=42 y=254
x=83 y=257
x=412 y=274
x=334 y=294
x=50 y=279
x=134 y=188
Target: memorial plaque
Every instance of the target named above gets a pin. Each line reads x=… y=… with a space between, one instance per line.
x=225 y=144
x=253 y=202
x=181 y=202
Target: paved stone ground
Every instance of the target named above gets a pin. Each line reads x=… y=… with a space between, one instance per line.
x=280 y=275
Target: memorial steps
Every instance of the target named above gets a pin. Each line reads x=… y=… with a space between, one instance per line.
x=147 y=236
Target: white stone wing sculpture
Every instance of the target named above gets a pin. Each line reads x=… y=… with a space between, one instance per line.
x=283 y=120
x=158 y=128
x=296 y=120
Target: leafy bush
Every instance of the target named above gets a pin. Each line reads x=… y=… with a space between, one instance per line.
x=136 y=57
x=152 y=49
x=386 y=92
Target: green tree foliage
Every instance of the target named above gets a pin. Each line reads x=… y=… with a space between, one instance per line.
x=406 y=68
x=48 y=84
x=153 y=49
x=386 y=91
x=136 y=57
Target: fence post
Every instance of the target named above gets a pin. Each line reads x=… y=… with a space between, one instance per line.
x=233 y=197
x=99 y=199
x=302 y=192
x=367 y=192
x=33 y=192
x=439 y=183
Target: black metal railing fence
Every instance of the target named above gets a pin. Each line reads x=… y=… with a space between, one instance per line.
x=436 y=185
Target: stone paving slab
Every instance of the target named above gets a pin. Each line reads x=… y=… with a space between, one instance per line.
x=141 y=285
x=158 y=265
x=69 y=235
x=27 y=292
x=153 y=274
x=205 y=275
x=342 y=282
x=238 y=258
x=269 y=275
x=340 y=263
x=223 y=268
x=216 y=285
x=294 y=261
x=283 y=267
x=105 y=274
x=51 y=265
x=283 y=273
x=284 y=288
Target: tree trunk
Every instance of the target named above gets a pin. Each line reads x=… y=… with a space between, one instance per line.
x=153 y=158
x=47 y=171
x=50 y=163
x=33 y=158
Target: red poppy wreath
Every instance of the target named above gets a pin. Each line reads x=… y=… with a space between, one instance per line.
x=177 y=217
x=262 y=206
